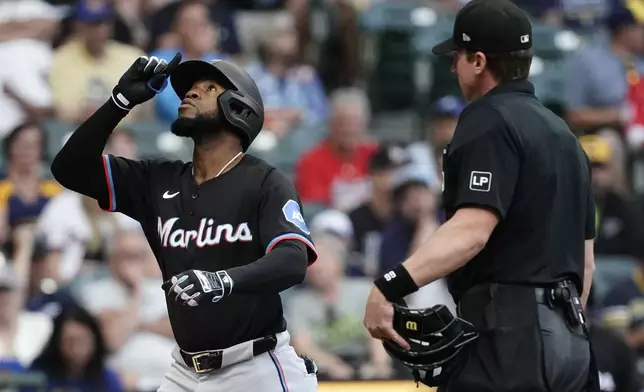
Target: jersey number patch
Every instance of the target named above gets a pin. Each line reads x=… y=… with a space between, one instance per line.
x=480 y=181
x=293 y=214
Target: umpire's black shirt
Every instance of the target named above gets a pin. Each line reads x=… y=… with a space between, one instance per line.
x=515 y=157
x=225 y=222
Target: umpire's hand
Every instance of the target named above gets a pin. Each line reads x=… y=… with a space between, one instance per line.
x=190 y=287
x=379 y=319
x=144 y=79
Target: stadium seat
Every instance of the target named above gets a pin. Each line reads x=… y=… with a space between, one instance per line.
x=442 y=81
x=57 y=134
x=610 y=270
x=550 y=42
x=427 y=36
x=548 y=79
x=389 y=16
x=391 y=83
x=155 y=140
x=32 y=381
x=283 y=154
x=391 y=27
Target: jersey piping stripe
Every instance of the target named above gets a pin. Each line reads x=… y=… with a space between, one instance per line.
x=110 y=182
x=290 y=236
x=280 y=370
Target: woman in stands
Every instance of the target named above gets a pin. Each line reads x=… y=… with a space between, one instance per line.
x=74 y=357
x=24 y=190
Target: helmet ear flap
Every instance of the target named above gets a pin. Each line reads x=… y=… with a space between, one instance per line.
x=242 y=113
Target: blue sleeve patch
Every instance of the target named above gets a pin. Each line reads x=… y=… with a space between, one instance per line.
x=293 y=214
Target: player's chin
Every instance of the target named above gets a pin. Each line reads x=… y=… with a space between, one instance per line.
x=183 y=126
x=187 y=111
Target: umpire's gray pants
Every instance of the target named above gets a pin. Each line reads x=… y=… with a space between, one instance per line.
x=279 y=370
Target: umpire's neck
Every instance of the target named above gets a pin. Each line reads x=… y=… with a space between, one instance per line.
x=212 y=154
x=484 y=85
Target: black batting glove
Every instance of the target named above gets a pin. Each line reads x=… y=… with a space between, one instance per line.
x=192 y=286
x=147 y=77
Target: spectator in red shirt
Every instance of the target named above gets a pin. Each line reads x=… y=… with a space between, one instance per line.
x=335 y=172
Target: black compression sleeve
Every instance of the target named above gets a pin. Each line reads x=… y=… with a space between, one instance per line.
x=282 y=268
x=79 y=165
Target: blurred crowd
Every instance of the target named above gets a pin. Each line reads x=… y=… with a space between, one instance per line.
x=81 y=305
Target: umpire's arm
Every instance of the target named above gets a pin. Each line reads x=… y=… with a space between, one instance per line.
x=484 y=164
x=481 y=170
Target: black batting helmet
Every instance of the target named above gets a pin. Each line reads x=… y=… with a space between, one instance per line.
x=435 y=337
x=240 y=105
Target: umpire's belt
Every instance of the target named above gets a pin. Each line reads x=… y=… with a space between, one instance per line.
x=207 y=361
x=557 y=294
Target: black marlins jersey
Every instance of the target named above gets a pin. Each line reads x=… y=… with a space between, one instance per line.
x=514 y=157
x=228 y=221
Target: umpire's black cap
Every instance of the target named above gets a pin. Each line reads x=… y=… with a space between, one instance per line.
x=488 y=26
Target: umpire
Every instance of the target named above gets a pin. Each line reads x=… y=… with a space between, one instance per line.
x=518 y=244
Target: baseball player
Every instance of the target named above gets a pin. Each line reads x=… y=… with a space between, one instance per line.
x=227 y=228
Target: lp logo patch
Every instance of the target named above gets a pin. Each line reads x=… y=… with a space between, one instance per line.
x=480 y=181
x=293 y=214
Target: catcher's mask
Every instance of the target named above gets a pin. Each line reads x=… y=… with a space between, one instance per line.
x=435 y=337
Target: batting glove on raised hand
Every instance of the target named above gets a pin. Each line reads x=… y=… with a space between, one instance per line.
x=190 y=287
x=147 y=77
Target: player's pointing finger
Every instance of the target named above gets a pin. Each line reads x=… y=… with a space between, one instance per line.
x=173 y=64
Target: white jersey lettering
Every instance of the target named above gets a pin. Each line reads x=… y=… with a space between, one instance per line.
x=207 y=234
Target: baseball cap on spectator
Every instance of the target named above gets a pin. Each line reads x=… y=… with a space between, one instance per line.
x=448 y=106
x=333 y=222
x=92 y=10
x=407 y=177
x=488 y=26
x=619 y=18
x=388 y=156
x=597 y=149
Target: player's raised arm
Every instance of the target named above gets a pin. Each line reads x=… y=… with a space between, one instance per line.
x=80 y=165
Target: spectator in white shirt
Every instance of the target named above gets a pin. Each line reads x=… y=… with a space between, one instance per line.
x=26 y=30
x=75 y=229
x=22 y=333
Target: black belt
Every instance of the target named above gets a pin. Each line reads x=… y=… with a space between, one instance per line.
x=542 y=295
x=563 y=290
x=207 y=361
